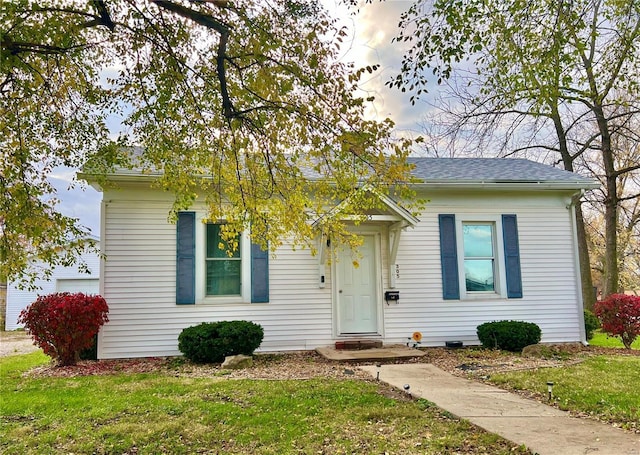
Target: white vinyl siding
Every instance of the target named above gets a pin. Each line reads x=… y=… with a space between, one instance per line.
x=139 y=286
x=548 y=266
x=139 y=279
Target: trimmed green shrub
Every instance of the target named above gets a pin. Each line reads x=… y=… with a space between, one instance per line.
x=211 y=342
x=591 y=323
x=508 y=335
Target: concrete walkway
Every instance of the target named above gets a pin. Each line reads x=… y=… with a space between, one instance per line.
x=15 y=343
x=543 y=429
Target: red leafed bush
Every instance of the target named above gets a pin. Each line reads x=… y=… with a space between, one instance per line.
x=64 y=324
x=620 y=316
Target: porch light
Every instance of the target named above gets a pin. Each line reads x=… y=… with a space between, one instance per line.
x=550 y=389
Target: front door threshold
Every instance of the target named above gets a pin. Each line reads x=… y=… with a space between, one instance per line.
x=359 y=336
x=357 y=345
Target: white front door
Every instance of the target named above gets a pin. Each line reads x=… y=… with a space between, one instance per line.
x=357 y=290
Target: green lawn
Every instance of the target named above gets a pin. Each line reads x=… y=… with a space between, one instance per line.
x=604 y=386
x=602 y=339
x=161 y=413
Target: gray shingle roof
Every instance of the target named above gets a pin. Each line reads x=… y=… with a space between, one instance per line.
x=497 y=170
x=452 y=171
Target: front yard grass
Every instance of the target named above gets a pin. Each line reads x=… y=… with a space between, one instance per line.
x=605 y=387
x=149 y=413
x=603 y=340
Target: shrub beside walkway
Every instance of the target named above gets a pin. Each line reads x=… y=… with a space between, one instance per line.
x=541 y=428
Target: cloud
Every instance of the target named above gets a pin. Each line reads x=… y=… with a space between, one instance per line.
x=372 y=28
x=77 y=200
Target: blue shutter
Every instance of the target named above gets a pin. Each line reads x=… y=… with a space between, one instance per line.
x=449 y=257
x=259 y=274
x=186 y=259
x=512 y=256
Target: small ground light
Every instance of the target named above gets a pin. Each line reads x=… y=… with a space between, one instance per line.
x=378 y=371
x=406 y=388
x=550 y=389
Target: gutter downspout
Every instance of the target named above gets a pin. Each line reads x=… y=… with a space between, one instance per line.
x=576 y=260
x=101 y=275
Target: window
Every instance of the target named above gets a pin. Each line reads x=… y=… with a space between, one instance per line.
x=479 y=256
x=223 y=264
x=207 y=273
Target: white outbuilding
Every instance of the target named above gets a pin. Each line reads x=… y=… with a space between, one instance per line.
x=62 y=279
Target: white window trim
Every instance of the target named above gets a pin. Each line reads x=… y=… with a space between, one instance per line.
x=500 y=277
x=201 y=252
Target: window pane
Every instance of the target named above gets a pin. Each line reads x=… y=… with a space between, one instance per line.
x=479 y=265
x=477 y=240
x=223 y=277
x=214 y=241
x=478 y=274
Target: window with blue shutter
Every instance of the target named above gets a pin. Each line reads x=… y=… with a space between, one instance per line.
x=186 y=259
x=205 y=262
x=469 y=245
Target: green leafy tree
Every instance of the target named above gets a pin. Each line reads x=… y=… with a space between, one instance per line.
x=539 y=76
x=628 y=235
x=245 y=104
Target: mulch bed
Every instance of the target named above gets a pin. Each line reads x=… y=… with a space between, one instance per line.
x=465 y=362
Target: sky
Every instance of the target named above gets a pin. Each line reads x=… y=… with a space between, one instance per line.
x=373 y=29
x=371 y=32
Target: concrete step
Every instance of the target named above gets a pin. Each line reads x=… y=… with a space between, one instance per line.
x=386 y=353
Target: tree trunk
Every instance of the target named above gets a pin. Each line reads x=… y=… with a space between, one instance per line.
x=588 y=295
x=588 y=292
x=610 y=280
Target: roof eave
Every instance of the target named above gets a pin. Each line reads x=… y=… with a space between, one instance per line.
x=478 y=184
x=136 y=176
x=119 y=177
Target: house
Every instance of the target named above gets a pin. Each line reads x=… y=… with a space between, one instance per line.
x=63 y=279
x=495 y=241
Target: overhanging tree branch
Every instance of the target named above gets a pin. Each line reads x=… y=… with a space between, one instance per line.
x=103 y=17
x=626 y=170
x=18 y=47
x=224 y=31
x=629 y=198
